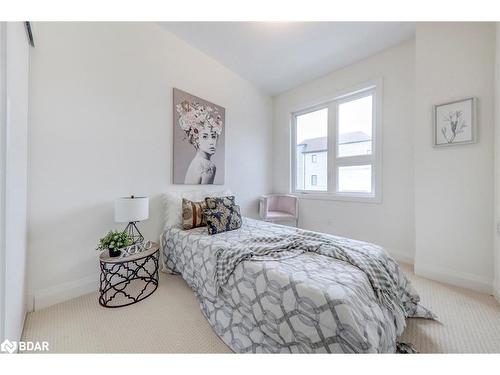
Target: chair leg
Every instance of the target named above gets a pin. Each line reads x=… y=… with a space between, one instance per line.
x=297 y=223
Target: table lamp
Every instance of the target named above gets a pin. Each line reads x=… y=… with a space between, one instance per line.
x=131 y=210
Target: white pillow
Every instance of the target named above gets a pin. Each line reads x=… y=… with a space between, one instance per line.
x=172 y=203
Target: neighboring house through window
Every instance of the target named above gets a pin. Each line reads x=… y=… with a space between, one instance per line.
x=342 y=137
x=314 y=180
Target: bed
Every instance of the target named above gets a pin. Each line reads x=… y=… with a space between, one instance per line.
x=307 y=303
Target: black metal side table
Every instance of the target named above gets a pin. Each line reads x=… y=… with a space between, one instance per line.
x=125 y=281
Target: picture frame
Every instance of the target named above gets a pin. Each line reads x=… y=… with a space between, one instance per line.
x=454 y=123
x=198 y=140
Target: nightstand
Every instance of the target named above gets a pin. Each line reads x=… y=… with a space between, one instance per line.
x=125 y=281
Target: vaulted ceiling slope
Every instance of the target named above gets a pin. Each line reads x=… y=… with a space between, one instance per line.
x=278 y=56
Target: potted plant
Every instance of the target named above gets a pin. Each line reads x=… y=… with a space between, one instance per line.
x=114 y=241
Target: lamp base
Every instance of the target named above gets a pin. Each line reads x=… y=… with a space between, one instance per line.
x=134 y=233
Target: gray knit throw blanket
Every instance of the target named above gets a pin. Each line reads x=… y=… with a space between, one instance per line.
x=369 y=258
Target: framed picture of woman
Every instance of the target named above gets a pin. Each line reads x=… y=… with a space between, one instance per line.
x=199 y=127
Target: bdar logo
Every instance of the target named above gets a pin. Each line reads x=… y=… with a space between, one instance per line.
x=24 y=346
x=8 y=347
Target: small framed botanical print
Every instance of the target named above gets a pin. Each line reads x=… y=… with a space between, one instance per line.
x=455 y=122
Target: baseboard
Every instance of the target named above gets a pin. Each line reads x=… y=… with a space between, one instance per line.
x=496 y=293
x=447 y=276
x=401 y=257
x=65 y=291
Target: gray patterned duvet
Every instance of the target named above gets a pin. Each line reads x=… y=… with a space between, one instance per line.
x=307 y=303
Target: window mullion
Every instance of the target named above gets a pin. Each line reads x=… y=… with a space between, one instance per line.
x=332 y=147
x=355 y=160
x=293 y=151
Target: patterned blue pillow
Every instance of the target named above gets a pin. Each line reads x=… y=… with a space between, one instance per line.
x=217 y=202
x=223 y=218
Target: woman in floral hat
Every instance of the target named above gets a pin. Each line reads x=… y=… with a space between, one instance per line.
x=202 y=125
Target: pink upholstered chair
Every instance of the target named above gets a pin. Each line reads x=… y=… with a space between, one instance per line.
x=279 y=207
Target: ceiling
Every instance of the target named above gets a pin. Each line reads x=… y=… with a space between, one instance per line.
x=278 y=56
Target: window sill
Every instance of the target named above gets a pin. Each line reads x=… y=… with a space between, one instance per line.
x=338 y=197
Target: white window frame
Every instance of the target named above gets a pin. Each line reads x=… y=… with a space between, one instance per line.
x=334 y=162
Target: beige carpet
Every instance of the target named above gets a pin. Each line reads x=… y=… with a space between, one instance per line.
x=170 y=321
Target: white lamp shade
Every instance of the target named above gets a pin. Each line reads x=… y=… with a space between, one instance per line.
x=129 y=209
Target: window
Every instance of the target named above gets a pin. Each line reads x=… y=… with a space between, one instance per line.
x=311 y=137
x=355 y=179
x=335 y=150
x=314 y=180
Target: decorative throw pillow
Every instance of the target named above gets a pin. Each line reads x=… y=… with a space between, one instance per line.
x=192 y=214
x=217 y=202
x=172 y=202
x=224 y=218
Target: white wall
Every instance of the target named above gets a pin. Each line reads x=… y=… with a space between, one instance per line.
x=389 y=223
x=497 y=166
x=101 y=118
x=454 y=185
x=3 y=130
x=15 y=93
